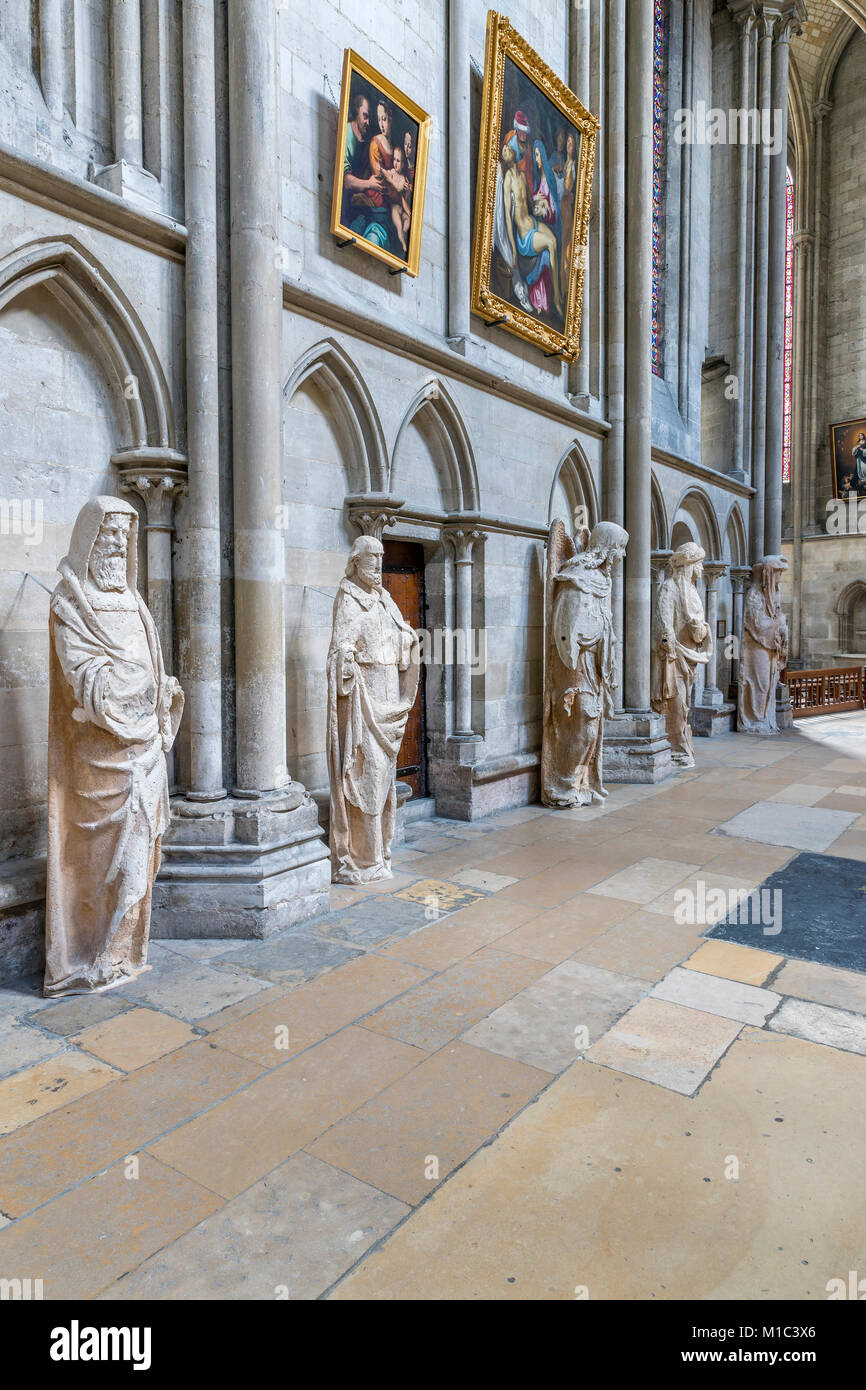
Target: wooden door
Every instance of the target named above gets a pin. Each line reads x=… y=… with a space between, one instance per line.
x=403 y=577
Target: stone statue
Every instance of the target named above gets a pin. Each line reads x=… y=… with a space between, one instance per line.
x=764 y=653
x=682 y=642
x=113 y=715
x=579 y=666
x=373 y=669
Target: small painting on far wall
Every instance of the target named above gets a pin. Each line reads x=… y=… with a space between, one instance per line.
x=848 y=455
x=380 y=168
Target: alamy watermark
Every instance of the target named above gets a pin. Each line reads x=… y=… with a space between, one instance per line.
x=22 y=518
x=714 y=125
x=704 y=906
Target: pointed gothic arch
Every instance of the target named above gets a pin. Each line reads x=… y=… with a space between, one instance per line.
x=574 y=475
x=461 y=474
x=93 y=299
x=659 y=532
x=350 y=397
x=697 y=512
x=736 y=536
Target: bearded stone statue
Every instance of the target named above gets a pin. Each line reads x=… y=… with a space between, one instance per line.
x=764 y=653
x=682 y=643
x=373 y=670
x=113 y=715
x=579 y=664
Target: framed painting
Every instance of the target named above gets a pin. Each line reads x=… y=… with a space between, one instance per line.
x=534 y=189
x=380 y=170
x=848 y=456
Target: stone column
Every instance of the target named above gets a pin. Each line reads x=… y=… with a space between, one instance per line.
x=659 y=560
x=759 y=341
x=685 y=246
x=579 y=52
x=126 y=81
x=256 y=306
x=613 y=476
x=459 y=175
x=812 y=434
x=463 y=539
x=51 y=55
x=740 y=578
x=199 y=569
x=804 y=243
x=157 y=476
x=713 y=571
x=746 y=21
x=787 y=23
x=638 y=362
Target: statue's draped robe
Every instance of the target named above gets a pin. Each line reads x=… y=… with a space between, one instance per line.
x=673 y=675
x=579 y=678
x=110 y=724
x=367 y=715
x=760 y=664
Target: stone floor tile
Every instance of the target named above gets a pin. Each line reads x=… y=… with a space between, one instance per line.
x=22 y=1045
x=80 y=1011
x=239 y=1140
x=437 y=1010
x=414 y=1133
x=555 y=935
x=798 y=794
x=711 y=895
x=801 y=827
x=667 y=1044
x=135 y=1038
x=816 y=1023
x=292 y=1235
x=643 y=945
x=715 y=995
x=618 y=1186
x=750 y=967
x=440 y=944
x=439 y=896
x=644 y=881
x=191 y=989
x=851 y=845
x=23 y=997
x=313 y=1011
x=543 y=1024
x=39 y=1089
x=369 y=923
x=524 y=861
x=483 y=879
x=847 y=789
x=253 y=1002
x=759 y=861
x=86 y=1239
x=201 y=948
x=289 y=960
x=398 y=857
x=55 y=1152
x=823 y=984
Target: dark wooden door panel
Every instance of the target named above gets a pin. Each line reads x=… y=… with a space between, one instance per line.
x=403 y=577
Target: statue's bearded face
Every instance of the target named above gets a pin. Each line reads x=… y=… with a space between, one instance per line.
x=108 y=556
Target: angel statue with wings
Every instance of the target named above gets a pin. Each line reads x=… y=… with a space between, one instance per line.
x=579 y=665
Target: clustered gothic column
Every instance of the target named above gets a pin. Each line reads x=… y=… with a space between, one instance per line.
x=459 y=175
x=614 y=322
x=157 y=476
x=638 y=361
x=746 y=20
x=51 y=28
x=579 y=49
x=463 y=539
x=759 y=341
x=740 y=577
x=256 y=302
x=713 y=571
x=126 y=81
x=199 y=569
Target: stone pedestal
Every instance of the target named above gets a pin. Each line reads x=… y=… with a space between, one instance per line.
x=784 y=707
x=237 y=868
x=636 y=749
x=707 y=720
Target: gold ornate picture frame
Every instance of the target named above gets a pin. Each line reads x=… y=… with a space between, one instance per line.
x=380 y=168
x=533 y=196
x=848 y=457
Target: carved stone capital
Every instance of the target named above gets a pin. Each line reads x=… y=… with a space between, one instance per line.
x=158 y=476
x=740 y=576
x=373 y=513
x=713 y=572
x=463 y=539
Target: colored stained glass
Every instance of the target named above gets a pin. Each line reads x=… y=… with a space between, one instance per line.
x=789 y=332
x=660 y=102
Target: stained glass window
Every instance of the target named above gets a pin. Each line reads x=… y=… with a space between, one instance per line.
x=789 y=332
x=660 y=124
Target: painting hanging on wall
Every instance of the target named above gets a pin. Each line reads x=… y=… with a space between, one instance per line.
x=848 y=457
x=534 y=189
x=380 y=170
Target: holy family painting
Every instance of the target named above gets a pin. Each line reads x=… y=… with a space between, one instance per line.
x=381 y=168
x=534 y=188
x=848 y=454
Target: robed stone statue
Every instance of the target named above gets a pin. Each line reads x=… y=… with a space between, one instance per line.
x=764 y=653
x=579 y=661
x=373 y=669
x=682 y=642
x=113 y=715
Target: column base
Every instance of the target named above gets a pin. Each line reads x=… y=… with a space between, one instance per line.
x=636 y=749
x=709 y=720
x=470 y=790
x=236 y=868
x=784 y=707
x=135 y=185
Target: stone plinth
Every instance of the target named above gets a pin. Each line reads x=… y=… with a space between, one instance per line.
x=636 y=749
x=707 y=720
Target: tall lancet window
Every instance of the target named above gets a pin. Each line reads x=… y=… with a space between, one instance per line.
x=660 y=130
x=789 y=331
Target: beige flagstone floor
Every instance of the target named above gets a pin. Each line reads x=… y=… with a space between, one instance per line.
x=510 y=1072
